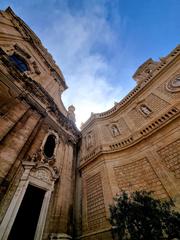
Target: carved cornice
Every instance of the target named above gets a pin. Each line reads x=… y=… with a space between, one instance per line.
x=30 y=36
x=31 y=88
x=135 y=138
x=161 y=65
x=22 y=51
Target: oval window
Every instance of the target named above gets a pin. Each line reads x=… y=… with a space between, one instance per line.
x=49 y=146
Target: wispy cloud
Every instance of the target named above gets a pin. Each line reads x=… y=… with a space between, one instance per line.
x=84 y=44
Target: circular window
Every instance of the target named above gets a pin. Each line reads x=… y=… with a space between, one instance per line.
x=49 y=146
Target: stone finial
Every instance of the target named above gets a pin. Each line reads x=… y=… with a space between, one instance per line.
x=71 y=114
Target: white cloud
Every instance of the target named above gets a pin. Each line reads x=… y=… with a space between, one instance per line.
x=87 y=69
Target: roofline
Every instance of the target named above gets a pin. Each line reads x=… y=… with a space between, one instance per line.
x=162 y=63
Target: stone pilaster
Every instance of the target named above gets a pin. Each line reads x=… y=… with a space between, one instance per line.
x=11 y=118
x=14 y=142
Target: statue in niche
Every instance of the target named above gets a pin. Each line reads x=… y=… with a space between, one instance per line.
x=144 y=109
x=89 y=141
x=114 y=130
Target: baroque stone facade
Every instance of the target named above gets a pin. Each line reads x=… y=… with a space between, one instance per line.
x=38 y=137
x=61 y=180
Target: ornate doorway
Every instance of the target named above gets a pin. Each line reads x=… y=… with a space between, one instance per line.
x=25 y=223
x=26 y=215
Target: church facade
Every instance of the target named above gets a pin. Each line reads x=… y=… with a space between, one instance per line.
x=57 y=182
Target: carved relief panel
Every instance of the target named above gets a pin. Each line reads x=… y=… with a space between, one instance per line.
x=45 y=173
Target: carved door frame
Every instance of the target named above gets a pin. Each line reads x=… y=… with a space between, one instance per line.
x=15 y=204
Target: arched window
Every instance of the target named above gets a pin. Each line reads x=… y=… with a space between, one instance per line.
x=49 y=146
x=19 y=62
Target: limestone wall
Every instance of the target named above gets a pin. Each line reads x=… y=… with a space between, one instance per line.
x=133 y=146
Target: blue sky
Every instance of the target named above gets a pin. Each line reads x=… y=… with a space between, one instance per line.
x=99 y=44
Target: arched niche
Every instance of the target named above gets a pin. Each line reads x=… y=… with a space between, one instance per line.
x=145 y=110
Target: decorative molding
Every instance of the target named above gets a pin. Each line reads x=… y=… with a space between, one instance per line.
x=33 y=88
x=44 y=172
x=164 y=62
x=149 y=129
x=59 y=236
x=32 y=65
x=51 y=160
x=30 y=36
x=22 y=51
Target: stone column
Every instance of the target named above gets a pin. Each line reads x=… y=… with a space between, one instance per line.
x=11 y=118
x=15 y=140
x=61 y=205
